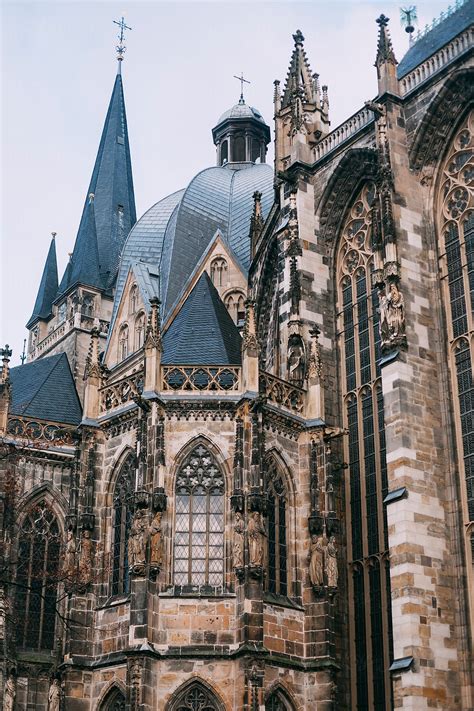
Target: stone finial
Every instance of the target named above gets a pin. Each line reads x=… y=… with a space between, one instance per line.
x=249 y=341
x=385 y=51
x=5 y=354
x=256 y=221
x=298 y=37
x=153 y=330
x=276 y=92
x=314 y=363
x=92 y=360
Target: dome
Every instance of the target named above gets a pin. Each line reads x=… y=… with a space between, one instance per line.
x=174 y=234
x=241 y=111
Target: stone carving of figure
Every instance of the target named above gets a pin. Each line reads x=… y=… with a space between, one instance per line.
x=9 y=694
x=256 y=533
x=296 y=361
x=156 y=541
x=137 y=542
x=238 y=543
x=331 y=563
x=54 y=696
x=383 y=317
x=316 y=561
x=70 y=551
x=85 y=560
x=395 y=312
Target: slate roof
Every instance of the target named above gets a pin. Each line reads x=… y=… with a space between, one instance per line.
x=202 y=333
x=45 y=389
x=105 y=226
x=175 y=233
x=47 y=288
x=436 y=38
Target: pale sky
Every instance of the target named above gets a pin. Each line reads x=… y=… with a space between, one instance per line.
x=57 y=74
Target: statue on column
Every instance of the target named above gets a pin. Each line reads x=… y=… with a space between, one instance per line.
x=256 y=533
x=9 y=693
x=70 y=556
x=296 y=360
x=85 y=560
x=392 y=316
x=316 y=561
x=137 y=543
x=331 y=563
x=238 y=542
x=54 y=695
x=156 y=542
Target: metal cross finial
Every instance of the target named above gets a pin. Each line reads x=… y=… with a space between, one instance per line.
x=121 y=48
x=242 y=80
x=382 y=21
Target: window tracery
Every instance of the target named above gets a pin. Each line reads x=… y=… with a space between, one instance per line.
x=122 y=518
x=196 y=697
x=456 y=242
x=114 y=701
x=37 y=578
x=277 y=570
x=277 y=702
x=359 y=340
x=139 y=331
x=199 y=523
x=235 y=304
x=218 y=271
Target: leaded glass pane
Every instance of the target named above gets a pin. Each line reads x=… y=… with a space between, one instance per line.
x=122 y=519
x=195 y=698
x=199 y=523
x=277 y=566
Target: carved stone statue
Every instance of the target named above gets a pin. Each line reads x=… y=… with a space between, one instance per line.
x=85 y=560
x=54 y=696
x=156 y=541
x=238 y=542
x=316 y=561
x=331 y=563
x=296 y=360
x=137 y=542
x=256 y=533
x=395 y=312
x=9 y=693
x=70 y=556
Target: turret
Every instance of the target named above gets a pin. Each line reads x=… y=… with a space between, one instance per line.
x=241 y=135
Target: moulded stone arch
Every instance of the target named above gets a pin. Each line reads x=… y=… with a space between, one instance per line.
x=114 y=693
x=178 y=701
x=441 y=116
x=44 y=492
x=279 y=693
x=356 y=167
x=213 y=448
x=115 y=469
x=285 y=468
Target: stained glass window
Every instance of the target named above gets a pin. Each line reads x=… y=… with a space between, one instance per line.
x=359 y=340
x=277 y=572
x=195 y=697
x=114 y=701
x=37 y=578
x=122 y=517
x=277 y=702
x=199 y=523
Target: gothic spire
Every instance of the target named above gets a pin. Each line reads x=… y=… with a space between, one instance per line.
x=107 y=223
x=48 y=286
x=385 y=60
x=299 y=79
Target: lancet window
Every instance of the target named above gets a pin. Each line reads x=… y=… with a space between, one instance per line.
x=195 y=697
x=139 y=331
x=133 y=299
x=277 y=567
x=277 y=702
x=456 y=258
x=122 y=518
x=359 y=341
x=199 y=524
x=123 y=342
x=37 y=578
x=235 y=304
x=219 y=271
x=114 y=701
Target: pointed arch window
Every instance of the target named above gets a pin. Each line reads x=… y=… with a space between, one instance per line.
x=139 y=331
x=37 y=578
x=199 y=524
x=218 y=271
x=114 y=701
x=133 y=299
x=277 y=560
x=278 y=702
x=359 y=342
x=235 y=304
x=122 y=517
x=123 y=342
x=195 y=697
x=455 y=215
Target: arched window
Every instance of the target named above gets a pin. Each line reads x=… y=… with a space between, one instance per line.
x=277 y=701
x=235 y=304
x=224 y=152
x=277 y=560
x=195 y=697
x=139 y=331
x=133 y=300
x=114 y=701
x=238 y=149
x=37 y=578
x=456 y=249
x=87 y=308
x=123 y=342
x=199 y=525
x=359 y=342
x=218 y=271
x=122 y=516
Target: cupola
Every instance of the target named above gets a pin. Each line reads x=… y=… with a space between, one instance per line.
x=241 y=135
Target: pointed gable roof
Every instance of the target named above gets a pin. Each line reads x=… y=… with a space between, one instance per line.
x=45 y=389
x=299 y=74
x=113 y=214
x=47 y=288
x=202 y=333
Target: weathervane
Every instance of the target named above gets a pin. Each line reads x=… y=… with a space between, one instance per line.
x=408 y=17
x=242 y=80
x=121 y=48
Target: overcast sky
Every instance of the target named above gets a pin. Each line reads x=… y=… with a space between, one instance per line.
x=58 y=68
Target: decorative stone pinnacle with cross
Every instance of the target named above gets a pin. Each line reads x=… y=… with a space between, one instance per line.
x=382 y=20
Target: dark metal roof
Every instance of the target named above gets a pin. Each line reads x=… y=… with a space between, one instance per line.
x=442 y=33
x=241 y=111
x=45 y=389
x=47 y=288
x=202 y=333
x=108 y=223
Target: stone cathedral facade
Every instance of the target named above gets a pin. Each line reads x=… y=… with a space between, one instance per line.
x=238 y=465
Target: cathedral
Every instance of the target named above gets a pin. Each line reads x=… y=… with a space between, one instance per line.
x=237 y=466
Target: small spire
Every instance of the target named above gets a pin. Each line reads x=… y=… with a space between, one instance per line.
x=6 y=354
x=298 y=38
x=242 y=82
x=48 y=286
x=92 y=360
x=121 y=47
x=385 y=51
x=256 y=221
x=153 y=329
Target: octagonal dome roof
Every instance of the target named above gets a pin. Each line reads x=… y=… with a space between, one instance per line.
x=241 y=110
